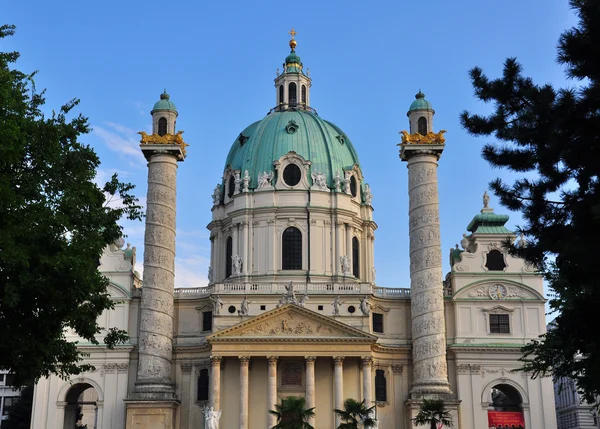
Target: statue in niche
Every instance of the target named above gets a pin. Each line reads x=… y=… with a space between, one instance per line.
x=337 y=180
x=337 y=304
x=319 y=181
x=236 y=264
x=236 y=181
x=368 y=194
x=217 y=304
x=486 y=200
x=211 y=418
x=365 y=307
x=216 y=196
x=264 y=179
x=347 y=182
x=244 y=307
x=246 y=182
x=345 y=263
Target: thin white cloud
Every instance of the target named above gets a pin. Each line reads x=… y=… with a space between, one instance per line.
x=121 y=140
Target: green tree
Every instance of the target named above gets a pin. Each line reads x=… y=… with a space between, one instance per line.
x=54 y=224
x=551 y=139
x=292 y=413
x=433 y=412
x=19 y=416
x=354 y=414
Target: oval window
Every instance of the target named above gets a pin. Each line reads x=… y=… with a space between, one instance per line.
x=231 y=309
x=351 y=309
x=291 y=175
x=230 y=187
x=353 y=187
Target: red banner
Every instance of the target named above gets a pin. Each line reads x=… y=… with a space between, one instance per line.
x=503 y=418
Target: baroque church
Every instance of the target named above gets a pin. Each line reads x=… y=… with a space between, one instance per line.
x=292 y=307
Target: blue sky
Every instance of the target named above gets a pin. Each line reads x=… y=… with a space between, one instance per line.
x=217 y=60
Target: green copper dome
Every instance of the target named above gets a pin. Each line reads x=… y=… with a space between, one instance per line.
x=488 y=222
x=164 y=103
x=322 y=143
x=420 y=103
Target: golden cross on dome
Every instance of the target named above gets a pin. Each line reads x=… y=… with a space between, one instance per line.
x=292 y=32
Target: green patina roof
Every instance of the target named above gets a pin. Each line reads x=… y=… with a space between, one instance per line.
x=304 y=132
x=420 y=103
x=164 y=103
x=488 y=222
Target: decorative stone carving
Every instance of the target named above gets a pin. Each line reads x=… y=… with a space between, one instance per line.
x=486 y=200
x=374 y=274
x=397 y=369
x=237 y=181
x=244 y=307
x=337 y=304
x=292 y=324
x=347 y=176
x=319 y=181
x=115 y=367
x=211 y=418
x=365 y=307
x=186 y=367
x=522 y=243
x=368 y=195
x=210 y=275
x=217 y=304
x=337 y=181
x=264 y=179
x=216 y=195
x=345 y=263
x=236 y=264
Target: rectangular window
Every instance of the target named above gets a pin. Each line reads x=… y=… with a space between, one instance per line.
x=378 y=322
x=1 y=379
x=263 y=307
x=207 y=321
x=203 y=385
x=9 y=380
x=380 y=386
x=499 y=324
x=320 y=307
x=9 y=401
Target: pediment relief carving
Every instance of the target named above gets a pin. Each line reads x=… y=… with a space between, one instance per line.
x=497 y=290
x=291 y=321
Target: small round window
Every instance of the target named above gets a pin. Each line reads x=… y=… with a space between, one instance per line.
x=231 y=309
x=291 y=175
x=230 y=187
x=353 y=186
x=351 y=309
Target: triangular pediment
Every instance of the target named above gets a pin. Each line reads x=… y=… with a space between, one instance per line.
x=292 y=322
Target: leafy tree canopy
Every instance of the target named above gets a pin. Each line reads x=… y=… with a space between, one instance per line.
x=54 y=224
x=551 y=138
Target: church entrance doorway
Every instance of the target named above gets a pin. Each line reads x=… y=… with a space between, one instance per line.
x=81 y=410
x=506 y=408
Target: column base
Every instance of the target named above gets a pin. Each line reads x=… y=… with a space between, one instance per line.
x=424 y=389
x=413 y=406
x=149 y=414
x=154 y=390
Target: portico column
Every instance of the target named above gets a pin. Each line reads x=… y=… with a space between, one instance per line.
x=310 y=385
x=272 y=390
x=366 y=367
x=338 y=377
x=215 y=382
x=349 y=242
x=244 y=362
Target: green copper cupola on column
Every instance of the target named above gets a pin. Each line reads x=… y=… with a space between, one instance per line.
x=292 y=86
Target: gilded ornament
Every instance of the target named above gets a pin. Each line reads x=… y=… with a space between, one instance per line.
x=416 y=138
x=165 y=139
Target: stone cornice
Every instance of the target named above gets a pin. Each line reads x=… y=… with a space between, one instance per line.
x=504 y=348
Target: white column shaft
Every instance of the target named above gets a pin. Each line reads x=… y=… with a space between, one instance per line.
x=338 y=375
x=244 y=362
x=215 y=383
x=310 y=385
x=367 y=386
x=272 y=390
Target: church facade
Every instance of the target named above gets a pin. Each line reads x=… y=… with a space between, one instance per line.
x=292 y=307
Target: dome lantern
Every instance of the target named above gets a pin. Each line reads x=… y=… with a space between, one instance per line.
x=293 y=85
x=164 y=115
x=420 y=115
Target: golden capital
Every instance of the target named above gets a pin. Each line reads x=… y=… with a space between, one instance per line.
x=164 y=139
x=416 y=138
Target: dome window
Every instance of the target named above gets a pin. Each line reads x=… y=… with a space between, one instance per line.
x=228 y=255
x=242 y=139
x=341 y=138
x=230 y=187
x=291 y=127
x=292 y=175
x=422 y=126
x=353 y=186
x=162 y=126
x=291 y=249
x=293 y=98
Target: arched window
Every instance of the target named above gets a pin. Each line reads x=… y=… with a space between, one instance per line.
x=162 y=126
x=303 y=94
x=280 y=94
x=422 y=125
x=203 y=385
x=292 y=97
x=505 y=397
x=228 y=255
x=231 y=187
x=291 y=249
x=380 y=386
x=495 y=261
x=81 y=406
x=353 y=186
x=355 y=257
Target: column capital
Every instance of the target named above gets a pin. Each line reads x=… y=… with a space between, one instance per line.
x=338 y=360
x=397 y=369
x=366 y=360
x=215 y=360
x=310 y=359
x=244 y=360
x=272 y=360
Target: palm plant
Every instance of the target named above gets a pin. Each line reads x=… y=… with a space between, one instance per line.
x=292 y=414
x=433 y=412
x=354 y=414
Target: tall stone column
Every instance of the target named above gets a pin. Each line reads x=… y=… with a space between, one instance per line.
x=430 y=374
x=310 y=385
x=272 y=389
x=338 y=381
x=367 y=386
x=244 y=363
x=215 y=382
